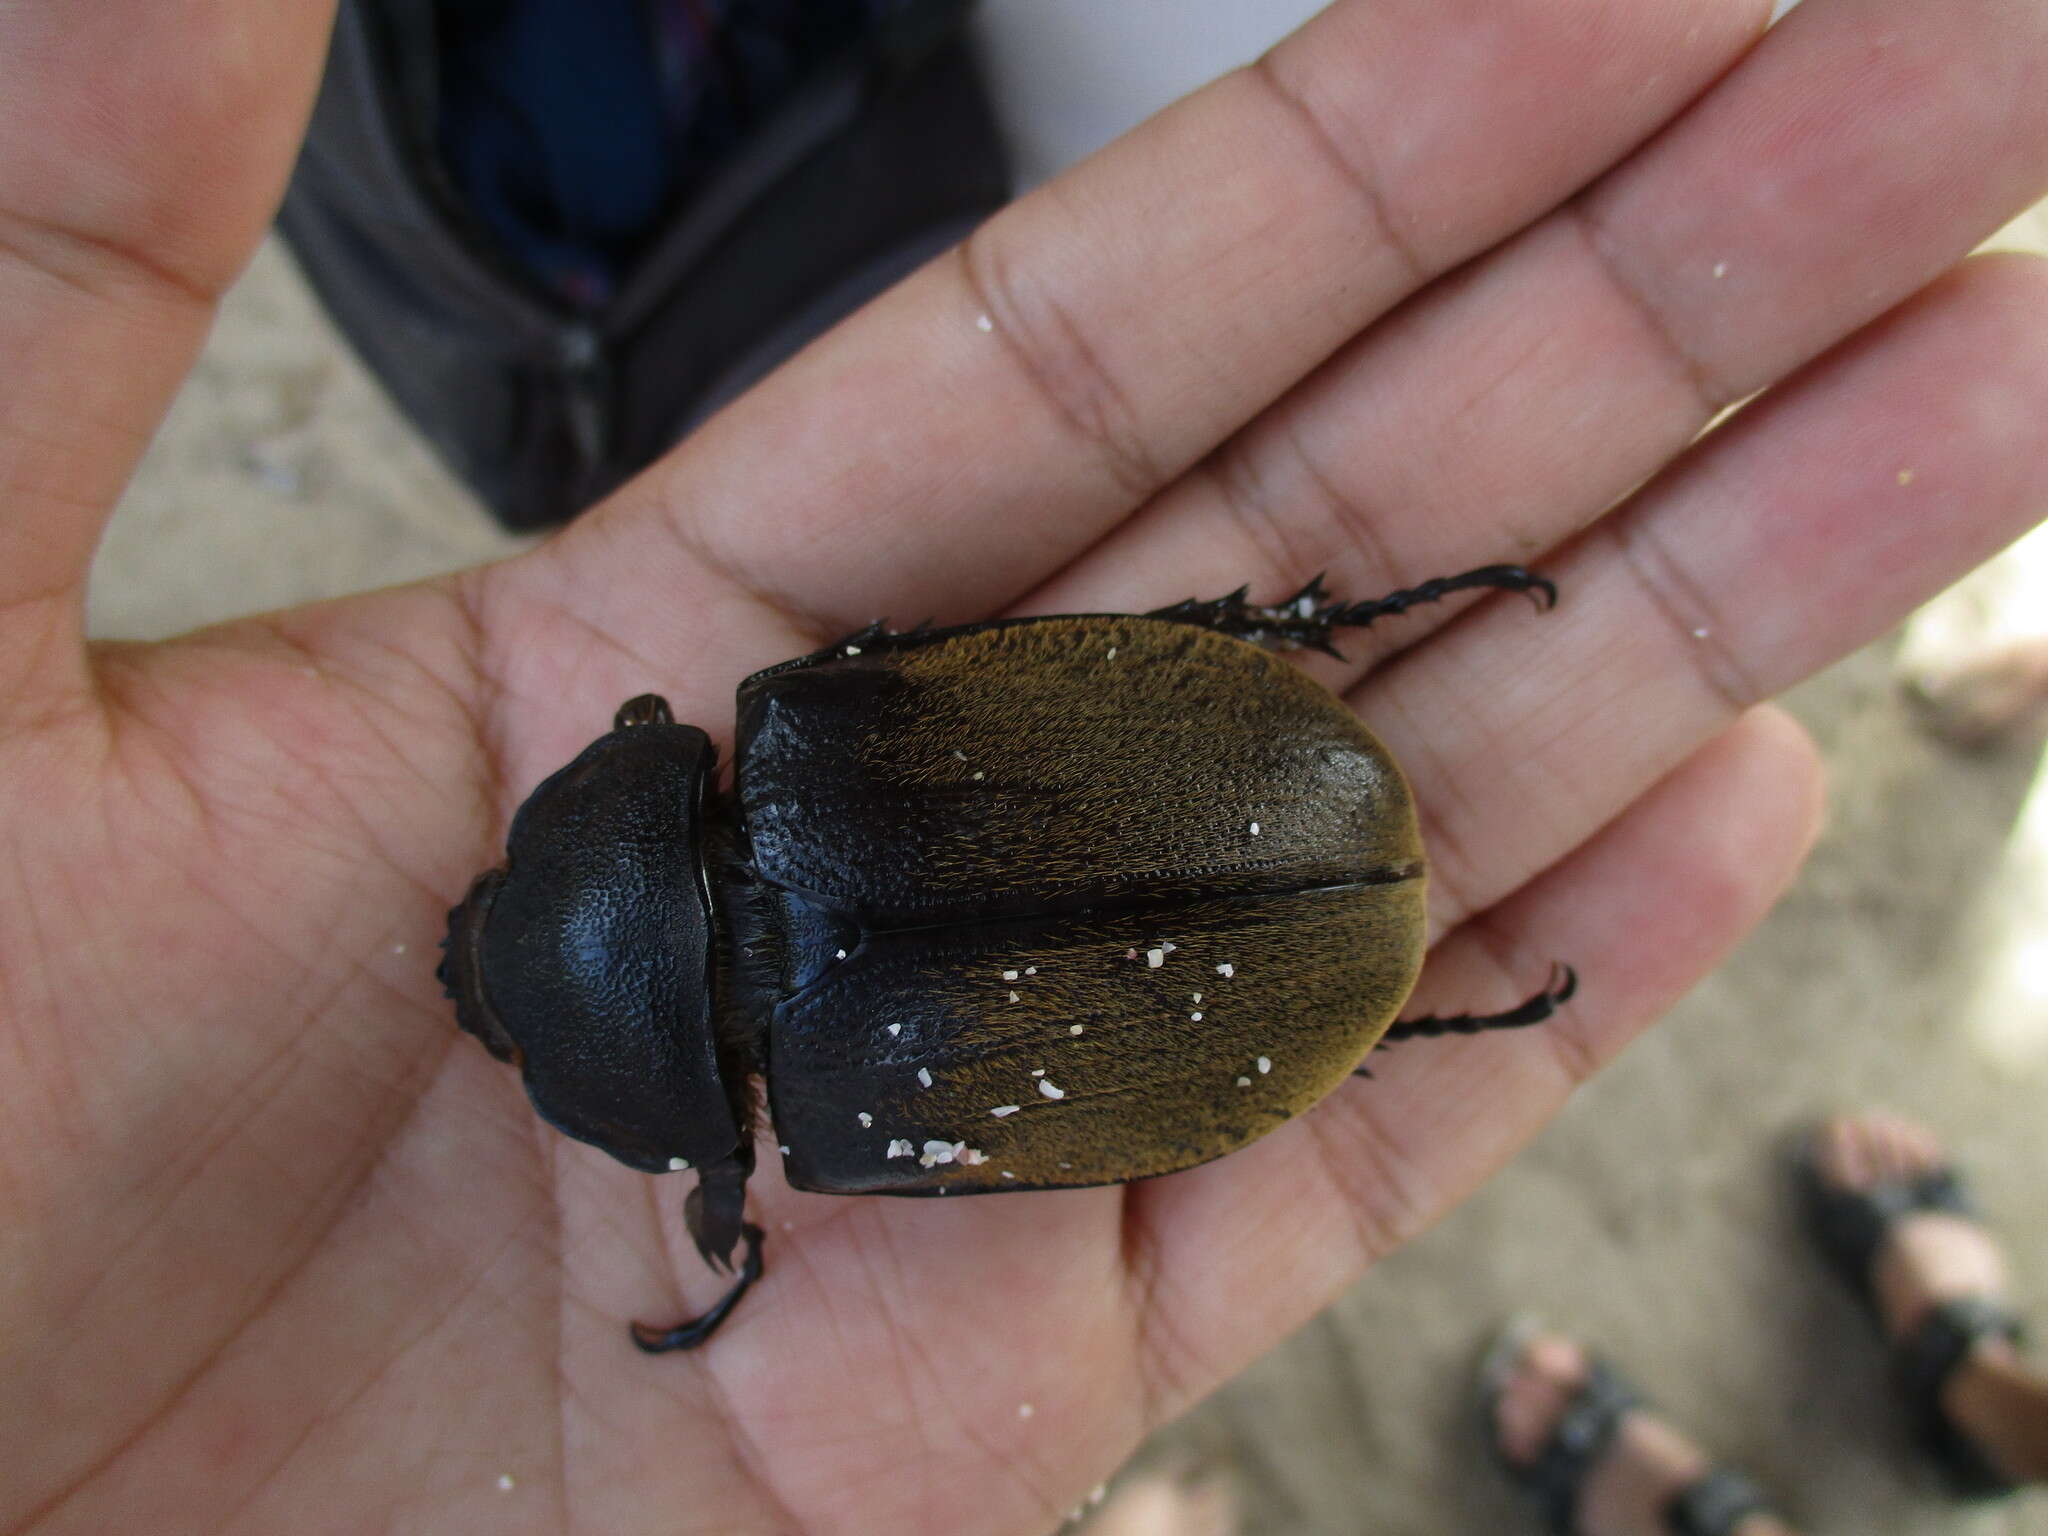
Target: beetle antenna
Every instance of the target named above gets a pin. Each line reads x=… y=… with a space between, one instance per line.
x=1563 y=983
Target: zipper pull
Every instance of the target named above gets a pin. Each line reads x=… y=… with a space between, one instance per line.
x=586 y=388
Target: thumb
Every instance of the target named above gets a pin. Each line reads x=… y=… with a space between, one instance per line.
x=143 y=147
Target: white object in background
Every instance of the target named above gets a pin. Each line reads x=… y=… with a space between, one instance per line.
x=1068 y=76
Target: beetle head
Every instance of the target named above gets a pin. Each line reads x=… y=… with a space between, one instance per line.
x=586 y=961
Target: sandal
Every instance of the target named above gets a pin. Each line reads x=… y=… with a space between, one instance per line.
x=1711 y=1505
x=1849 y=1226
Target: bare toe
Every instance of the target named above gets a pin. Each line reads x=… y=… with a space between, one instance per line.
x=1928 y=1257
x=1630 y=1486
x=1840 y=1154
x=1533 y=1399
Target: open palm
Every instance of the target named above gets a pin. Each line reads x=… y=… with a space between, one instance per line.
x=1431 y=286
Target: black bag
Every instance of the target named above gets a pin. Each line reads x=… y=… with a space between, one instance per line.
x=872 y=164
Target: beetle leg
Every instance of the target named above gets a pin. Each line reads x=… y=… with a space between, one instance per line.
x=643 y=709
x=714 y=1214
x=714 y=1211
x=688 y=1335
x=1309 y=618
x=1564 y=981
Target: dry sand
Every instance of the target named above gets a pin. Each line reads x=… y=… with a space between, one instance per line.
x=1653 y=1216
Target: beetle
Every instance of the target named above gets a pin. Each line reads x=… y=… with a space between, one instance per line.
x=1027 y=904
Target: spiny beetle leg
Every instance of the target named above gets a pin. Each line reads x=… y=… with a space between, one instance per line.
x=688 y=1335
x=1308 y=619
x=878 y=636
x=1564 y=981
x=715 y=1211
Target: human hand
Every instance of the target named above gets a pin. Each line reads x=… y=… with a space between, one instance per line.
x=284 y=1251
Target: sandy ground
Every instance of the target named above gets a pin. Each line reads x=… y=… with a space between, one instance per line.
x=1653 y=1216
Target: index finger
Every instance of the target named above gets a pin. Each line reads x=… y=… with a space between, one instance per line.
x=995 y=414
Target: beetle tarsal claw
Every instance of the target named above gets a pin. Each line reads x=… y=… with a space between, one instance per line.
x=694 y=1331
x=1564 y=982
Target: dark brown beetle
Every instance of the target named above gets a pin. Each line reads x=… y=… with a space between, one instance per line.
x=1032 y=904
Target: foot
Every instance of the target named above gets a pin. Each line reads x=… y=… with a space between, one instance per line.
x=1644 y=1467
x=1170 y=1500
x=1988 y=702
x=1928 y=1257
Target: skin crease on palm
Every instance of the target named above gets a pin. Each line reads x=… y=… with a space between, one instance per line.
x=280 y=1250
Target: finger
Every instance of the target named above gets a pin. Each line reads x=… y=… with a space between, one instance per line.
x=1143 y=306
x=143 y=146
x=1822 y=182
x=1644 y=909
x=1803 y=528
